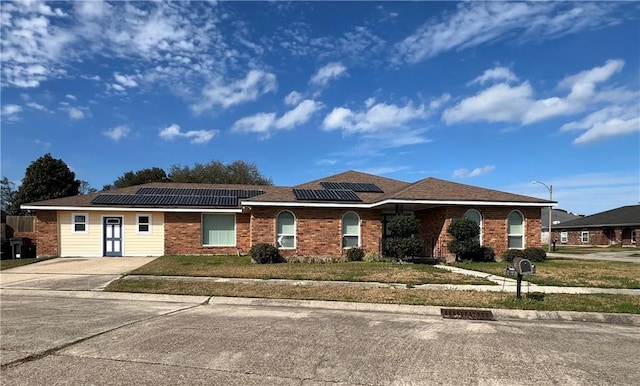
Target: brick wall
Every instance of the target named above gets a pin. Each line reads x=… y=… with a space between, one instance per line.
x=46 y=237
x=599 y=236
x=183 y=235
x=435 y=221
x=318 y=230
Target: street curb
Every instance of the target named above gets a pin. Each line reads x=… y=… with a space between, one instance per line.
x=108 y=295
x=498 y=313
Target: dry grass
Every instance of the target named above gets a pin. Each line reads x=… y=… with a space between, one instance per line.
x=573 y=273
x=549 y=302
x=241 y=267
x=8 y=264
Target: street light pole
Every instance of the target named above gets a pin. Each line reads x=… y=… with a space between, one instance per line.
x=550 y=189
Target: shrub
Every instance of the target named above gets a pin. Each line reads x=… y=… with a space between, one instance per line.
x=535 y=254
x=373 y=257
x=403 y=226
x=263 y=253
x=510 y=254
x=465 y=245
x=355 y=254
x=463 y=229
x=403 y=247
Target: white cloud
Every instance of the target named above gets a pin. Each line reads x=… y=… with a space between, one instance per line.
x=330 y=71
x=611 y=128
x=292 y=98
x=496 y=73
x=263 y=123
x=37 y=106
x=476 y=23
x=10 y=109
x=298 y=115
x=376 y=118
x=72 y=97
x=197 y=136
x=437 y=103
x=117 y=133
x=505 y=103
x=254 y=84
x=45 y=145
x=326 y=162
x=466 y=173
x=124 y=80
x=75 y=113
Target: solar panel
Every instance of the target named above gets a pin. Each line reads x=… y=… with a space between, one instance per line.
x=156 y=199
x=210 y=192
x=363 y=187
x=325 y=195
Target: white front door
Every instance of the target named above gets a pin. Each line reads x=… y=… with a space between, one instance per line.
x=112 y=236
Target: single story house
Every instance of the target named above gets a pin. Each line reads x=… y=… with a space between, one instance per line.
x=318 y=218
x=619 y=226
x=557 y=216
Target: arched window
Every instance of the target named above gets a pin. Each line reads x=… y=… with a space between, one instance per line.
x=515 y=230
x=286 y=230
x=476 y=217
x=350 y=230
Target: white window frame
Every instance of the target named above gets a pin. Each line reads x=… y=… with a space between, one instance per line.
x=149 y=224
x=479 y=225
x=634 y=236
x=524 y=230
x=582 y=238
x=235 y=229
x=564 y=236
x=351 y=235
x=74 y=223
x=295 y=231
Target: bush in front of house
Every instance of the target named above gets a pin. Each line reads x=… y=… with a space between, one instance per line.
x=484 y=254
x=373 y=257
x=465 y=244
x=511 y=254
x=403 y=247
x=355 y=254
x=264 y=253
x=535 y=254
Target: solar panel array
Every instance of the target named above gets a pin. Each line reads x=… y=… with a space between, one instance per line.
x=240 y=193
x=156 y=199
x=355 y=186
x=325 y=195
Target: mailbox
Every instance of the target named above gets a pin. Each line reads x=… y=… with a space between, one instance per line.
x=523 y=266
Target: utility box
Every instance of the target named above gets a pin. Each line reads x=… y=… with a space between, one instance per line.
x=523 y=266
x=21 y=247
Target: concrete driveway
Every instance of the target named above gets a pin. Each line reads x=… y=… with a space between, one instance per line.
x=71 y=273
x=622 y=256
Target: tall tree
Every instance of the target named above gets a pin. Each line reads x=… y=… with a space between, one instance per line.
x=86 y=188
x=216 y=172
x=8 y=194
x=139 y=177
x=45 y=178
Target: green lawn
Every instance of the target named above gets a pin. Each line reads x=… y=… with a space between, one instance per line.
x=572 y=273
x=587 y=250
x=546 y=302
x=12 y=263
x=241 y=267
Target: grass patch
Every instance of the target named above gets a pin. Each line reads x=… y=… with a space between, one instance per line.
x=586 y=250
x=357 y=271
x=573 y=273
x=547 y=302
x=12 y=263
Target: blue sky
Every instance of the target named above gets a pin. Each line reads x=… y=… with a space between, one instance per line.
x=492 y=94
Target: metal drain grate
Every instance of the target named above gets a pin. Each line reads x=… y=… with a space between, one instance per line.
x=456 y=313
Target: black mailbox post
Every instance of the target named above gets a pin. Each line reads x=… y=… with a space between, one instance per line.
x=522 y=267
x=20 y=247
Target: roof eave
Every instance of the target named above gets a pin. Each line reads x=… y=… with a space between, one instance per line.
x=130 y=209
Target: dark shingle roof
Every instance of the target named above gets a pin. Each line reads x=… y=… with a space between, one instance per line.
x=623 y=216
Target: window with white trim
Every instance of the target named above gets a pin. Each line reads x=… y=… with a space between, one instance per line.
x=350 y=230
x=143 y=223
x=286 y=230
x=564 y=236
x=634 y=236
x=219 y=230
x=515 y=230
x=476 y=217
x=80 y=222
x=584 y=236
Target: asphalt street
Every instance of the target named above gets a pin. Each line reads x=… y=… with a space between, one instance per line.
x=185 y=341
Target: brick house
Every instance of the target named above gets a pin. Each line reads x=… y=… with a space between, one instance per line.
x=618 y=226
x=319 y=218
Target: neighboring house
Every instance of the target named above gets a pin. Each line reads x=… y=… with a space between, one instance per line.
x=558 y=216
x=618 y=226
x=318 y=218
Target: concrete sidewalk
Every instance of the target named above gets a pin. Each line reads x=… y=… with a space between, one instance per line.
x=624 y=256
